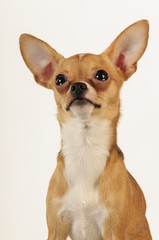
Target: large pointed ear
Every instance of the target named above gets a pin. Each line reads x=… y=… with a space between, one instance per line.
x=40 y=58
x=128 y=47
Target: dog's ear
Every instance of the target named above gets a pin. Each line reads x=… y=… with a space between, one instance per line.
x=40 y=58
x=128 y=47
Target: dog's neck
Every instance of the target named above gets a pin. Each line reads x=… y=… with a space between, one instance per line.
x=85 y=145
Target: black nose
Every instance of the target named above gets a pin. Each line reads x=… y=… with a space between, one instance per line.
x=78 y=88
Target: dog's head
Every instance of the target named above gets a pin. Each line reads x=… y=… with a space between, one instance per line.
x=87 y=85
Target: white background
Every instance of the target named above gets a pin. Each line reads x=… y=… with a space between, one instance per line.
x=30 y=138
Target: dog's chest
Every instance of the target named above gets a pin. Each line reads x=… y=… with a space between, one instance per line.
x=85 y=149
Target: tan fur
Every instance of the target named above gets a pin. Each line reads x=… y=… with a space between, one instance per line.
x=118 y=190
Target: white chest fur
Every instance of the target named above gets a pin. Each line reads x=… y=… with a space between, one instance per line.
x=85 y=147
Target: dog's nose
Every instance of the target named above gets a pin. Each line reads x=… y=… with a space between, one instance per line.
x=78 y=88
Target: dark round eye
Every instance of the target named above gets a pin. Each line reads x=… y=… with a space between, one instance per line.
x=60 y=79
x=101 y=75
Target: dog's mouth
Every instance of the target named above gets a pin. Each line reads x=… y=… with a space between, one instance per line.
x=79 y=101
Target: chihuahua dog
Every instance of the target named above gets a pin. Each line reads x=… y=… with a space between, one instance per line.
x=91 y=195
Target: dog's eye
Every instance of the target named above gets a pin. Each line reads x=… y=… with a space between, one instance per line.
x=60 y=79
x=101 y=75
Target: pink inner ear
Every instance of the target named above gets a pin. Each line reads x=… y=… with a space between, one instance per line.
x=47 y=72
x=120 y=62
